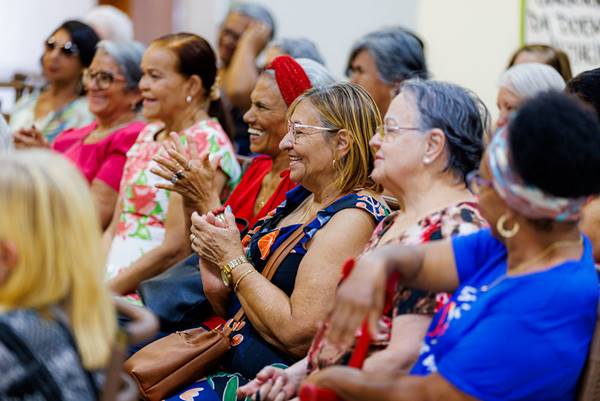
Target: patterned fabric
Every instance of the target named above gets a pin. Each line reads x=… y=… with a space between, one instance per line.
x=51 y=346
x=141 y=224
x=73 y=115
x=250 y=353
x=526 y=199
x=459 y=219
x=103 y=160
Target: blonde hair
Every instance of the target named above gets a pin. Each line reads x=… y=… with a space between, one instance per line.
x=49 y=215
x=348 y=106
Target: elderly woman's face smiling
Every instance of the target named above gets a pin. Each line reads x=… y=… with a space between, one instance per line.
x=311 y=153
x=266 y=117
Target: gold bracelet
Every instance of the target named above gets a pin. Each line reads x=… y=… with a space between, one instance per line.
x=243 y=276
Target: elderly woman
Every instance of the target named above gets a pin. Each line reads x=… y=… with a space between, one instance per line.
x=148 y=230
x=531 y=274
x=68 y=50
x=521 y=82
x=544 y=54
x=431 y=138
x=57 y=320
x=266 y=181
x=99 y=149
x=381 y=60
x=327 y=143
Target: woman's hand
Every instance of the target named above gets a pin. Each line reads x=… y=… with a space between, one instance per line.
x=30 y=138
x=216 y=239
x=360 y=296
x=193 y=176
x=256 y=37
x=274 y=384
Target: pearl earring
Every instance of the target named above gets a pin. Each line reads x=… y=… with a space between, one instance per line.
x=188 y=99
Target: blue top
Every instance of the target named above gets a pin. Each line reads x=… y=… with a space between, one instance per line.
x=523 y=337
x=249 y=352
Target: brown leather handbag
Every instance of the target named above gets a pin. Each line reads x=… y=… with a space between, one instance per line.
x=181 y=358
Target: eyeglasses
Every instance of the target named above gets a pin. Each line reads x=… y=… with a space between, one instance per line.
x=296 y=130
x=68 y=48
x=103 y=79
x=475 y=182
x=388 y=132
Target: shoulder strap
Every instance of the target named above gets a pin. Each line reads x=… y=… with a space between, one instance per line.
x=37 y=372
x=276 y=258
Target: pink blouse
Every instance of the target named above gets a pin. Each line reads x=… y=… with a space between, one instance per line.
x=103 y=160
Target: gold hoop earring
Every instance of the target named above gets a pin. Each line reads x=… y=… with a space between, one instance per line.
x=503 y=231
x=333 y=164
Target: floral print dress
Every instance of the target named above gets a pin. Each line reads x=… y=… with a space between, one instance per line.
x=141 y=225
x=458 y=219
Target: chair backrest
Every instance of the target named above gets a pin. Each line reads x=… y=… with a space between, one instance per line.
x=589 y=387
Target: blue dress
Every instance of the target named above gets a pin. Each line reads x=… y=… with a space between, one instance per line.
x=249 y=352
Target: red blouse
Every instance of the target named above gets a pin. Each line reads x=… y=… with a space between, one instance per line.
x=243 y=197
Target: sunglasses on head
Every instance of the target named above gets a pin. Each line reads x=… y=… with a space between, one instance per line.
x=68 y=48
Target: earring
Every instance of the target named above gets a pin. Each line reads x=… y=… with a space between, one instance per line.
x=426 y=161
x=503 y=231
x=188 y=99
x=333 y=164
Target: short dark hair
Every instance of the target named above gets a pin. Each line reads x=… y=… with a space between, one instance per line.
x=195 y=56
x=84 y=37
x=586 y=86
x=459 y=113
x=555 y=145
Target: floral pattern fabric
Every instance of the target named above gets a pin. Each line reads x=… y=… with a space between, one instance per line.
x=459 y=219
x=141 y=225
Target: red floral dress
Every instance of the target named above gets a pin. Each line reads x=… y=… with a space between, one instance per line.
x=459 y=219
x=141 y=225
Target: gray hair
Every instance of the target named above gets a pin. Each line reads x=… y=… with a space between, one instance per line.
x=128 y=56
x=256 y=12
x=459 y=113
x=317 y=74
x=526 y=80
x=110 y=23
x=299 y=48
x=398 y=54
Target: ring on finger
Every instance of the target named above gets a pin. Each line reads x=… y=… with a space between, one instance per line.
x=193 y=238
x=174 y=180
x=179 y=174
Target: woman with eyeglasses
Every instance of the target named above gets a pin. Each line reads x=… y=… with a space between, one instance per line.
x=99 y=149
x=336 y=208
x=60 y=105
x=432 y=136
x=521 y=319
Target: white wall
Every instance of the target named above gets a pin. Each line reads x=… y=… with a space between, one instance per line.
x=25 y=25
x=333 y=24
x=469 y=42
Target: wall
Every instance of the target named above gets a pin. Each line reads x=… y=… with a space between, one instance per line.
x=469 y=42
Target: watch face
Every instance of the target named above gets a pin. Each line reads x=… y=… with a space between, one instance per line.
x=225 y=278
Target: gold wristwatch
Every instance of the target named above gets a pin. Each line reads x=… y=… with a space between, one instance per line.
x=228 y=267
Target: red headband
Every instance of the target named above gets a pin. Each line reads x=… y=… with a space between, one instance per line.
x=290 y=76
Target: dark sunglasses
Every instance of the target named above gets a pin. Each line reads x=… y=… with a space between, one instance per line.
x=68 y=48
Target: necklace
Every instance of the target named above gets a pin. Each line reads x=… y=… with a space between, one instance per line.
x=521 y=267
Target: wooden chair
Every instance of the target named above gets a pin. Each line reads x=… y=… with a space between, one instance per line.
x=589 y=387
x=119 y=386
